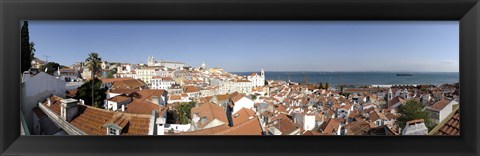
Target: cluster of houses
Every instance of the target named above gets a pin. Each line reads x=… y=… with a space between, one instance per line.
x=142 y=99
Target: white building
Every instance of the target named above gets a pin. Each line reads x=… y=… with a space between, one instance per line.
x=37 y=86
x=146 y=73
x=441 y=109
x=415 y=127
x=167 y=64
x=105 y=65
x=240 y=101
x=69 y=74
x=257 y=80
x=118 y=102
x=126 y=68
x=159 y=82
x=241 y=86
x=307 y=121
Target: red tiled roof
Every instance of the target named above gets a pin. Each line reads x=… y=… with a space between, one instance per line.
x=286 y=126
x=357 y=128
x=395 y=100
x=119 y=98
x=439 y=105
x=242 y=115
x=451 y=126
x=109 y=80
x=222 y=97
x=129 y=84
x=91 y=120
x=250 y=127
x=174 y=97
x=243 y=81
x=123 y=91
x=329 y=126
x=71 y=93
x=144 y=107
x=118 y=119
x=55 y=104
x=148 y=93
x=237 y=97
x=210 y=111
x=375 y=115
x=191 y=89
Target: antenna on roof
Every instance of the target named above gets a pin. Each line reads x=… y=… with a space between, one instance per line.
x=46 y=58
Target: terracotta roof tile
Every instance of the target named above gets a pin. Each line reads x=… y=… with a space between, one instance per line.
x=358 y=128
x=209 y=111
x=111 y=80
x=124 y=91
x=91 y=120
x=329 y=126
x=144 y=107
x=129 y=84
x=451 y=126
x=119 y=98
x=148 y=93
x=250 y=127
x=191 y=89
x=439 y=105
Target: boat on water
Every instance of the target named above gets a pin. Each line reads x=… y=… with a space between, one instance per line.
x=404 y=74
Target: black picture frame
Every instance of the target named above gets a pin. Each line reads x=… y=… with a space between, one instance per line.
x=13 y=11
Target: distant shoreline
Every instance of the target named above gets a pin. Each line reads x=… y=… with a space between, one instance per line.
x=348 y=71
x=363 y=78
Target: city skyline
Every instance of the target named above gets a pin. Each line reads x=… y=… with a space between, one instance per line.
x=431 y=46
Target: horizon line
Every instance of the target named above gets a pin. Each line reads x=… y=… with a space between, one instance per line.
x=351 y=71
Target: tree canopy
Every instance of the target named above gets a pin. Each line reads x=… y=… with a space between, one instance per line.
x=412 y=110
x=183 y=110
x=85 y=93
x=51 y=67
x=93 y=62
x=27 y=48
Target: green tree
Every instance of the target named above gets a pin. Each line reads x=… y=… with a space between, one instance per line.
x=51 y=67
x=110 y=73
x=85 y=93
x=254 y=97
x=27 y=48
x=93 y=63
x=320 y=86
x=412 y=110
x=183 y=110
x=326 y=85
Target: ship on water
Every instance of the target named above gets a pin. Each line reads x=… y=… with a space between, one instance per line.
x=404 y=74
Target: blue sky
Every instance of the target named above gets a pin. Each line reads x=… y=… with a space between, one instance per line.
x=252 y=45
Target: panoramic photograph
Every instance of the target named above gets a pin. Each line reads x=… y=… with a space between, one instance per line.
x=365 y=78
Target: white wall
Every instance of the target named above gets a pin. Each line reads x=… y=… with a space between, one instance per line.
x=446 y=111
x=242 y=103
x=309 y=122
x=38 y=88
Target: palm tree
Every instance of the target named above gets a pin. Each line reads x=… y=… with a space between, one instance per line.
x=93 y=63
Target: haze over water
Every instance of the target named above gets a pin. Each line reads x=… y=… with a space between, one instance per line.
x=364 y=78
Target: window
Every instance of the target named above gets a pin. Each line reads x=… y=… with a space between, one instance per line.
x=203 y=120
x=112 y=131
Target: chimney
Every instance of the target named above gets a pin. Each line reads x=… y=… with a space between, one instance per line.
x=49 y=102
x=69 y=109
x=123 y=108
